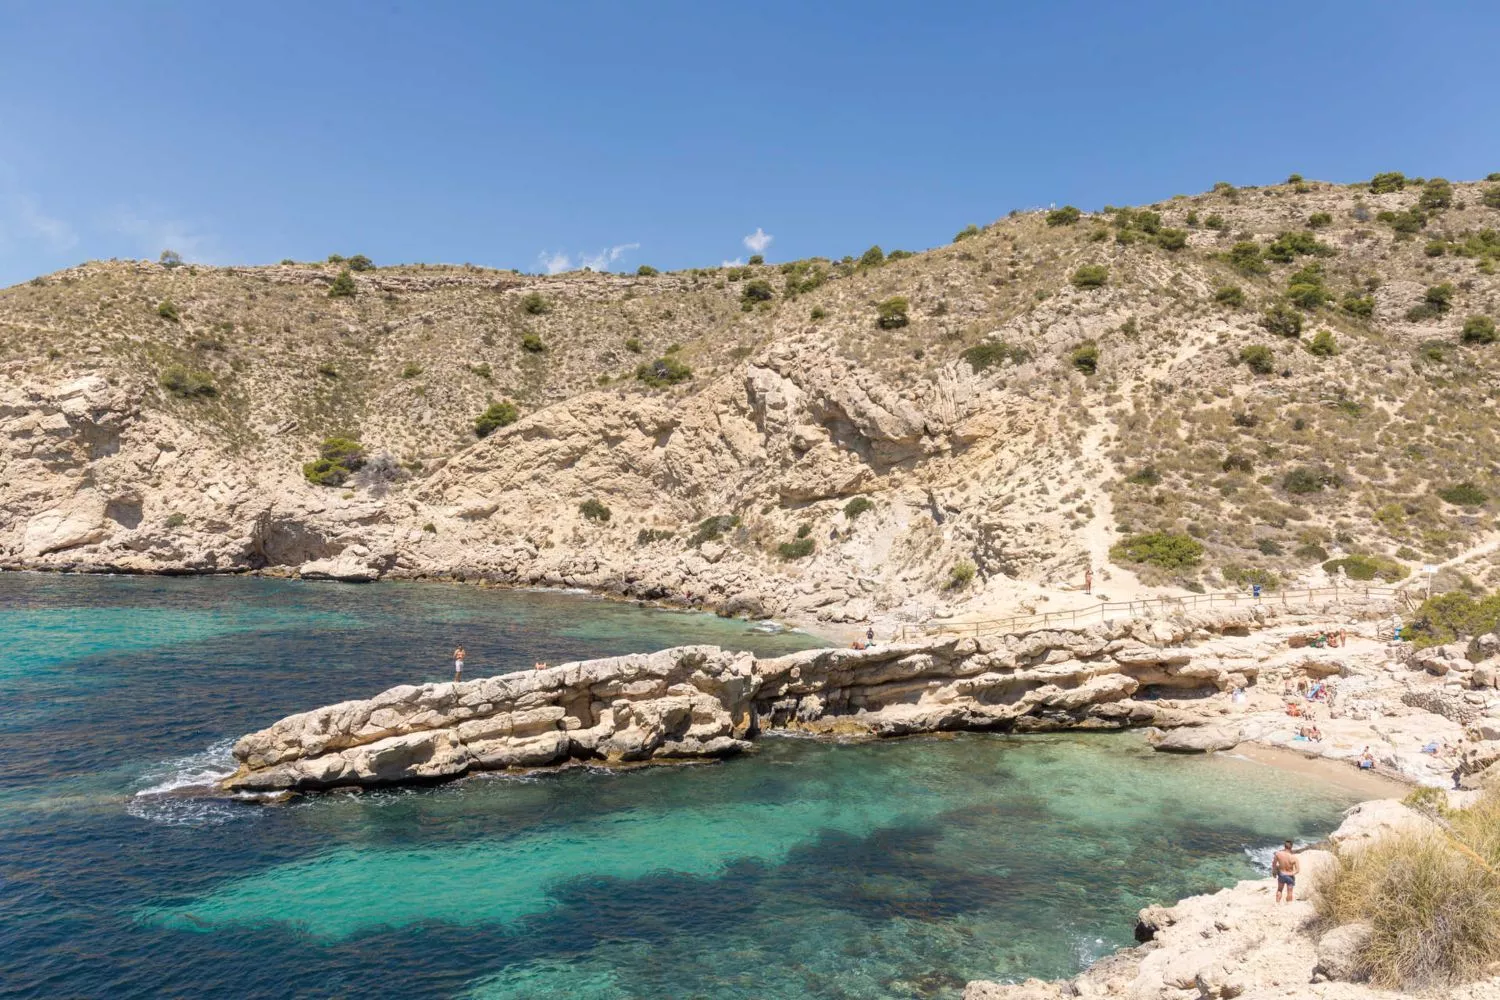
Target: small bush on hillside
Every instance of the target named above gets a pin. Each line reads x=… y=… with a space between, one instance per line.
x=1436 y=301
x=633 y=345
x=1158 y=548
x=1287 y=247
x=1405 y=223
x=412 y=370
x=1388 y=183
x=1065 y=216
x=646 y=271
x=1464 y=495
x=756 y=260
x=1319 y=220
x=1491 y=197
x=1437 y=193
x=1479 y=330
x=662 y=372
x=966 y=232
x=817 y=313
x=338 y=459
x=533 y=304
x=167 y=309
x=1230 y=295
x=328 y=370
x=1090 y=276
x=1453 y=616
x=991 y=353
x=711 y=529
x=961 y=575
x=1311 y=552
x=898 y=255
x=1359 y=305
x=1246 y=257
x=647 y=536
x=1258 y=358
x=482 y=369
x=1365 y=568
x=798 y=549
x=1172 y=239
x=1085 y=357
x=188 y=383
x=176 y=520
x=496 y=416
x=1305 y=479
x=857 y=506
x=1237 y=462
x=1282 y=320
x=872 y=257
x=891 y=313
x=1323 y=345
x=532 y=343
x=343 y=286
x=1216 y=222
x=1147 y=475
x=754 y=293
x=359 y=262
x=594 y=510
x=1308 y=296
x=1247 y=576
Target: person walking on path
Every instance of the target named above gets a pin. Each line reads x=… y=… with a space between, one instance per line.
x=1284 y=866
x=1088 y=581
x=458 y=664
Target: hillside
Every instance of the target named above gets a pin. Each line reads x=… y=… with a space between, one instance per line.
x=1058 y=386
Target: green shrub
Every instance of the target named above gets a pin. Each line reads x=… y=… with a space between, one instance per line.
x=711 y=529
x=1146 y=475
x=1323 y=345
x=1367 y=567
x=891 y=313
x=966 y=232
x=1359 y=305
x=991 y=353
x=170 y=259
x=1230 y=295
x=1288 y=246
x=662 y=372
x=1090 y=276
x=1308 y=297
x=646 y=271
x=1065 y=216
x=188 y=383
x=1246 y=576
x=1436 y=194
x=167 y=309
x=1319 y=220
x=594 y=510
x=633 y=345
x=857 y=506
x=1259 y=358
x=1464 y=495
x=1158 y=548
x=898 y=255
x=798 y=549
x=412 y=370
x=1237 y=462
x=1282 y=320
x=176 y=520
x=755 y=292
x=1436 y=248
x=1246 y=257
x=1491 y=197
x=533 y=304
x=1172 y=239
x=1310 y=552
x=532 y=343
x=343 y=286
x=817 y=313
x=335 y=258
x=647 y=536
x=497 y=415
x=872 y=257
x=1305 y=479
x=359 y=262
x=1479 y=330
x=1216 y=222
x=961 y=575
x=482 y=369
x=1453 y=616
x=1388 y=183
x=338 y=459
x=1085 y=357
x=756 y=260
x=328 y=370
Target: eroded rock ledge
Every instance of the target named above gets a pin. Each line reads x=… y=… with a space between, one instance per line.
x=703 y=701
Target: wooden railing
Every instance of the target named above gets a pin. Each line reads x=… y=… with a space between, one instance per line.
x=1108 y=610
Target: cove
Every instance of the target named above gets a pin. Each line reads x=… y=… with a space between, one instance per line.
x=802 y=869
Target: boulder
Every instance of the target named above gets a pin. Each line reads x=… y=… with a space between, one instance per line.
x=1197 y=739
x=1340 y=952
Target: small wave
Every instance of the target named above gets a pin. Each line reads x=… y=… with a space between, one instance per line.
x=200 y=770
x=1261 y=857
x=177 y=792
x=1087 y=951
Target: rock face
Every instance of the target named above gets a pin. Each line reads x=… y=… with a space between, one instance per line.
x=702 y=701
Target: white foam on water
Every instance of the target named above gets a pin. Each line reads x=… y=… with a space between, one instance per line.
x=1087 y=950
x=176 y=792
x=200 y=770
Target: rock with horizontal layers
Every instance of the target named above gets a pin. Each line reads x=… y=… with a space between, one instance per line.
x=1197 y=739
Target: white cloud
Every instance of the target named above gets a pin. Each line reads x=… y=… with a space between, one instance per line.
x=152 y=233
x=58 y=236
x=757 y=241
x=555 y=263
x=737 y=262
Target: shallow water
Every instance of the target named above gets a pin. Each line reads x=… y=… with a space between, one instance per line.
x=806 y=869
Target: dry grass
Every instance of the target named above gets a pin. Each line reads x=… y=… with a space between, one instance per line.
x=1433 y=899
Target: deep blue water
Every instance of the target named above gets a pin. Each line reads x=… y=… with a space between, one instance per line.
x=898 y=869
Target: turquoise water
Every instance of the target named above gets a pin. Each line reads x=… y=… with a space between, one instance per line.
x=806 y=869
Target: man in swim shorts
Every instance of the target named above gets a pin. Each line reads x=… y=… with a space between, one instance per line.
x=1284 y=866
x=458 y=664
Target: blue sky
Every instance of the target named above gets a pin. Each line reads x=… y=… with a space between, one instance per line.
x=523 y=135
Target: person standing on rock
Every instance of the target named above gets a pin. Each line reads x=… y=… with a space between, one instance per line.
x=458 y=664
x=1088 y=581
x=1285 y=867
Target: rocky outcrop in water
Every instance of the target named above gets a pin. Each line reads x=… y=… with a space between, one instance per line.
x=704 y=702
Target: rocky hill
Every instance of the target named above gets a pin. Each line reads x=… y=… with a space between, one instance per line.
x=1248 y=385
